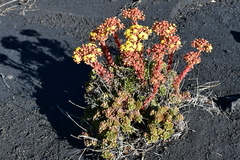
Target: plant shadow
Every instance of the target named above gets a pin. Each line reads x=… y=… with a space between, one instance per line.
x=225 y=102
x=236 y=35
x=59 y=79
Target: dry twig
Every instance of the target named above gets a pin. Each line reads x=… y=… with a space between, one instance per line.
x=3 y=78
x=67 y=115
x=21 y=6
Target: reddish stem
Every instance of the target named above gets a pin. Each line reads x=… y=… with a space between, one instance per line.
x=116 y=39
x=134 y=23
x=101 y=71
x=149 y=99
x=157 y=69
x=180 y=77
x=138 y=65
x=170 y=61
x=159 y=64
x=106 y=53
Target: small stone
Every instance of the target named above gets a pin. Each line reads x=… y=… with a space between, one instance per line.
x=235 y=105
x=9 y=77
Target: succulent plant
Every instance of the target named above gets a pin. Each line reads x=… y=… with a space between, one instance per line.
x=133 y=98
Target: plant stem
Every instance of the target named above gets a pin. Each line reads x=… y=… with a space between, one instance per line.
x=170 y=61
x=107 y=53
x=180 y=77
x=116 y=39
x=149 y=99
x=101 y=71
x=155 y=80
x=134 y=23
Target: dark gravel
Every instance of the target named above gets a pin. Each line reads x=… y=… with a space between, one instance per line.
x=36 y=64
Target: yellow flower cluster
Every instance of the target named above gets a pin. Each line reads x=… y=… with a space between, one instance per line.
x=87 y=53
x=137 y=32
x=131 y=47
x=134 y=35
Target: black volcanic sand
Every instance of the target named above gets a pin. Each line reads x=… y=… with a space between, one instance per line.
x=36 y=64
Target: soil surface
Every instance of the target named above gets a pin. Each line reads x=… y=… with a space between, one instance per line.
x=38 y=75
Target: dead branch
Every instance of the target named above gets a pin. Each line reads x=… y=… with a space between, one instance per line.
x=20 y=6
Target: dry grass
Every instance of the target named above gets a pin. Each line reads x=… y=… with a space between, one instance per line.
x=203 y=98
x=21 y=6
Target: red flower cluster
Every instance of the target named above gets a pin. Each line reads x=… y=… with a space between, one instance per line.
x=164 y=28
x=172 y=43
x=135 y=60
x=202 y=45
x=109 y=27
x=134 y=14
x=157 y=52
x=192 y=58
x=166 y=32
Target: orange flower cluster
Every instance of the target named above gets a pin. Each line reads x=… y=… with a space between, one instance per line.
x=166 y=32
x=172 y=43
x=192 y=58
x=156 y=53
x=134 y=14
x=202 y=45
x=88 y=53
x=109 y=27
x=164 y=28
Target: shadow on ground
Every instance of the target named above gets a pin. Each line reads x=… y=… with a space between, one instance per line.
x=45 y=65
x=236 y=35
x=230 y=105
